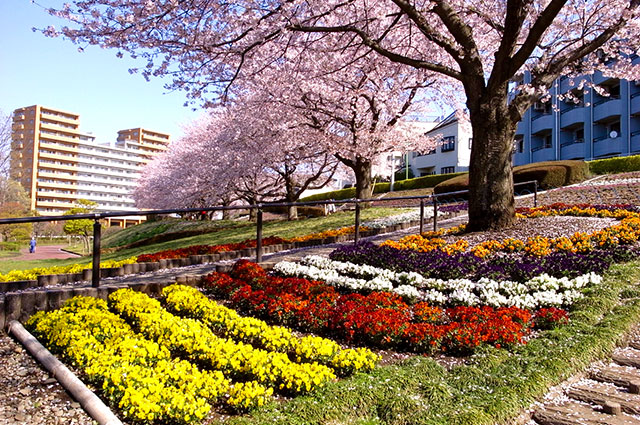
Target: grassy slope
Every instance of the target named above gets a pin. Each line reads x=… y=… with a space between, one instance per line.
x=246 y=230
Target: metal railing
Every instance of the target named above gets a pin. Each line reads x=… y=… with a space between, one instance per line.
x=448 y=197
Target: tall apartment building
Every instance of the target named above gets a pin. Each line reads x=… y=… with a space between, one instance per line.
x=58 y=164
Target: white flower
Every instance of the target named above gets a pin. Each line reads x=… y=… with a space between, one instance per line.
x=540 y=291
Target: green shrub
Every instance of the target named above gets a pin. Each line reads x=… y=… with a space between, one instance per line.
x=400 y=175
x=621 y=164
x=12 y=246
x=424 y=182
x=382 y=187
x=337 y=195
x=417 y=183
x=552 y=173
x=548 y=174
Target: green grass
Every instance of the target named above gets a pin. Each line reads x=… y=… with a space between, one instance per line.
x=241 y=231
x=492 y=387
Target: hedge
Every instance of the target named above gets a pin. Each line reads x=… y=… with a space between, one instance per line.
x=548 y=174
x=417 y=183
x=621 y=164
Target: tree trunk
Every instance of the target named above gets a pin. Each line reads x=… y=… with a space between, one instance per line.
x=364 y=182
x=491 y=202
x=292 y=210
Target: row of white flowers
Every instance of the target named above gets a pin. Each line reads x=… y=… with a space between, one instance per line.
x=541 y=291
x=400 y=218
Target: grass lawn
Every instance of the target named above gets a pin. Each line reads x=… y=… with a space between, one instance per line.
x=238 y=232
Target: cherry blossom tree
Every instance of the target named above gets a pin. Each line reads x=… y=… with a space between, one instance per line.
x=250 y=149
x=477 y=47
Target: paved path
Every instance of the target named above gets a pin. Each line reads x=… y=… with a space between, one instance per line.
x=44 y=252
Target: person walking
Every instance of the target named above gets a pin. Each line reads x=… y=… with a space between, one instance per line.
x=32 y=245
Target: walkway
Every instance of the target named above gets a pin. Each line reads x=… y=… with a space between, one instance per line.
x=44 y=252
x=608 y=393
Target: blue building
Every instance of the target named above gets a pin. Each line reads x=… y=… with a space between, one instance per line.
x=597 y=126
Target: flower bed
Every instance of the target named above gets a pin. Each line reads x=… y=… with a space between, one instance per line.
x=328 y=233
x=516 y=267
x=191 y=302
x=135 y=374
x=539 y=292
x=380 y=319
x=207 y=249
x=237 y=360
x=31 y=274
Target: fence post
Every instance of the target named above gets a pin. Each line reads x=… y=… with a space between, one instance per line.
x=421 y=215
x=95 y=272
x=357 y=235
x=259 y=236
x=535 y=193
x=435 y=213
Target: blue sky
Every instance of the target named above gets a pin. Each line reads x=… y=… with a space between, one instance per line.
x=35 y=69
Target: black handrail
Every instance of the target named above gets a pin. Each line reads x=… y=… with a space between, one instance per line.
x=95 y=275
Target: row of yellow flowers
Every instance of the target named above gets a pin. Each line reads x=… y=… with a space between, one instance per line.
x=235 y=359
x=626 y=232
x=328 y=233
x=32 y=274
x=137 y=375
x=192 y=303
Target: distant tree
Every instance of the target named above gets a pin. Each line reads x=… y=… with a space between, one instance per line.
x=14 y=203
x=5 y=142
x=81 y=227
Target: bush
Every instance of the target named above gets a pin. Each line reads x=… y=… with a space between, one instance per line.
x=548 y=174
x=424 y=182
x=551 y=174
x=337 y=195
x=12 y=246
x=622 y=164
x=400 y=175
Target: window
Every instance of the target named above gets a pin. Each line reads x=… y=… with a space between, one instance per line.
x=548 y=141
x=470 y=142
x=518 y=144
x=447 y=170
x=578 y=136
x=614 y=130
x=448 y=144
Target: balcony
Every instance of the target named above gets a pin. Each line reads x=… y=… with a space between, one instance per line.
x=56 y=195
x=541 y=123
x=58 y=176
x=572 y=117
x=59 y=156
x=58 y=147
x=606 y=109
x=59 y=128
x=542 y=153
x=573 y=150
x=605 y=146
x=57 y=185
x=58 y=117
x=50 y=166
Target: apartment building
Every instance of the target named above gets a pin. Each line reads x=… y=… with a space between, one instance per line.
x=58 y=164
x=592 y=125
x=451 y=156
x=589 y=125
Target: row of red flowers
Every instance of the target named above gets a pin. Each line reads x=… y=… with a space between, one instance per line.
x=207 y=249
x=379 y=319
